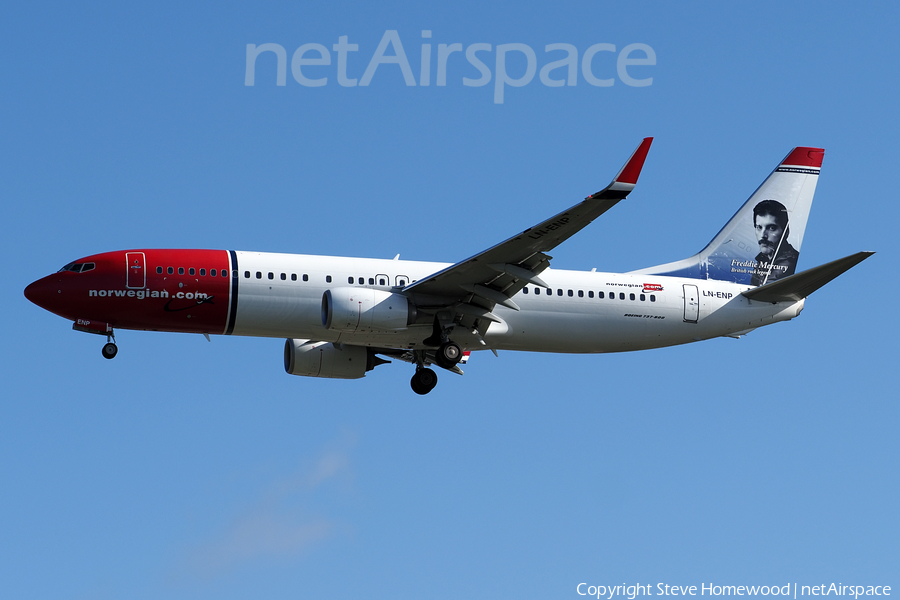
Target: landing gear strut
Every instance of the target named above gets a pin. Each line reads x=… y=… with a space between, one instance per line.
x=423 y=381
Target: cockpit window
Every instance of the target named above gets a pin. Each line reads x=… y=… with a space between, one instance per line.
x=77 y=267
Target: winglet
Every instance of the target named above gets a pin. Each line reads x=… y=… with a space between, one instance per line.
x=632 y=169
x=624 y=182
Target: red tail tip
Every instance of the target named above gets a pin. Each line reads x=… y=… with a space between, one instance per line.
x=805 y=157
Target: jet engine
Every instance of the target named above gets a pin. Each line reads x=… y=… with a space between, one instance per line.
x=324 y=359
x=363 y=309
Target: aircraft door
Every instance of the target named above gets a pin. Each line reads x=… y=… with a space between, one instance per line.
x=137 y=273
x=691 y=303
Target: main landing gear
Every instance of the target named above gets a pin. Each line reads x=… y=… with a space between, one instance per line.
x=423 y=381
x=447 y=356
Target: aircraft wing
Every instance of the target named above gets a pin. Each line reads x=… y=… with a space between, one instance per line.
x=494 y=276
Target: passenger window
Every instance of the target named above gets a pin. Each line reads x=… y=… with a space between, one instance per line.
x=159 y=270
x=621 y=296
x=571 y=293
x=524 y=290
x=631 y=296
x=652 y=298
x=349 y=280
x=600 y=295
x=191 y=271
x=259 y=274
x=293 y=277
x=549 y=292
x=381 y=282
x=170 y=270
x=328 y=279
x=246 y=274
x=371 y=281
x=271 y=275
x=361 y=281
x=181 y=270
x=643 y=298
x=202 y=272
x=212 y=272
x=591 y=294
x=284 y=276
x=581 y=293
x=225 y=273
x=559 y=292
x=305 y=277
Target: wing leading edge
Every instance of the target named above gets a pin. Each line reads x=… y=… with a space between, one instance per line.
x=473 y=287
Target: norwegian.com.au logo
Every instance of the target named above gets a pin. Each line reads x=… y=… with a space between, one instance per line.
x=314 y=65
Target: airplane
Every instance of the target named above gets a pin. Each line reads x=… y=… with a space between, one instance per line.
x=342 y=316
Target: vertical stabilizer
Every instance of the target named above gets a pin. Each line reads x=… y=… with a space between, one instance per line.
x=761 y=243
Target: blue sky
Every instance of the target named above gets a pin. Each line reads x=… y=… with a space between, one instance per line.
x=189 y=469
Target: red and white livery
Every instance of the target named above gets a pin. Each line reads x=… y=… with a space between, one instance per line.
x=341 y=317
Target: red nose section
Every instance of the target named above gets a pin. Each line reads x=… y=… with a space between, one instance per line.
x=45 y=293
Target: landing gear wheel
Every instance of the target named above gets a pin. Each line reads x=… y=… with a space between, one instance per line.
x=110 y=350
x=448 y=355
x=423 y=381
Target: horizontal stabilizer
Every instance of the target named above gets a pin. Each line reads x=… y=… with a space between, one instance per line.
x=799 y=286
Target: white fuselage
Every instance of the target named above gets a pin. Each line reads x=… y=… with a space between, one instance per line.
x=586 y=312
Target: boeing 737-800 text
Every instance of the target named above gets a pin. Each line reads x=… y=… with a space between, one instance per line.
x=342 y=315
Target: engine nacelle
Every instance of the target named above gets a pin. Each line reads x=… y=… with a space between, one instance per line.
x=323 y=359
x=364 y=309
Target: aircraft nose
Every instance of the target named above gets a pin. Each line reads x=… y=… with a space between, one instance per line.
x=43 y=292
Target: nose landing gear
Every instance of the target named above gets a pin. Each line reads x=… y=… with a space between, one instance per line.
x=110 y=350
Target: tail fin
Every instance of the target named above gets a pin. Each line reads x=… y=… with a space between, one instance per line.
x=761 y=242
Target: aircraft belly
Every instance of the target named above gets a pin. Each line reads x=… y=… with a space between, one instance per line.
x=588 y=330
